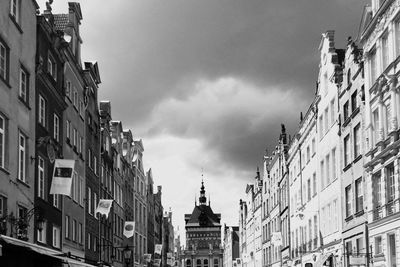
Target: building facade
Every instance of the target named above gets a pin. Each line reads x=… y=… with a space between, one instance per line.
x=203 y=235
x=379 y=38
x=231 y=245
x=352 y=109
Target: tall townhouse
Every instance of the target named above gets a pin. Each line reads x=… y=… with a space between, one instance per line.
x=304 y=200
x=73 y=240
x=230 y=245
x=128 y=182
x=140 y=205
x=158 y=219
x=330 y=75
x=106 y=181
x=250 y=224
x=117 y=192
x=351 y=106
x=92 y=170
x=265 y=218
x=283 y=184
x=150 y=213
x=272 y=174
x=380 y=39
x=168 y=239
x=50 y=106
x=17 y=121
x=242 y=232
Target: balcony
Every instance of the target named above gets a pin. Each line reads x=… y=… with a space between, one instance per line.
x=390 y=208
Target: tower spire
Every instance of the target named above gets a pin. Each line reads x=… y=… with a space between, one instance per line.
x=202 y=198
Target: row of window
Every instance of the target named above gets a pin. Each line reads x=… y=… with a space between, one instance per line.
x=56 y=235
x=43 y=118
x=74 y=137
x=327 y=119
x=303 y=235
x=328 y=168
x=73 y=230
x=202 y=263
x=72 y=94
x=358 y=198
x=356 y=148
x=271 y=254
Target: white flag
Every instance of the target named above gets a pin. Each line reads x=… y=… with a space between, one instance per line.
x=129 y=229
x=104 y=206
x=158 y=249
x=62 y=177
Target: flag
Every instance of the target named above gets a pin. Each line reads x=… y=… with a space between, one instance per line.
x=62 y=177
x=104 y=206
x=158 y=249
x=147 y=257
x=129 y=229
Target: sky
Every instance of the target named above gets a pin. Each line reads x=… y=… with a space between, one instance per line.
x=206 y=84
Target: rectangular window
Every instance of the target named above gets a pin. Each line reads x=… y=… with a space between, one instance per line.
x=2 y=140
x=81 y=188
x=74 y=230
x=326 y=117
x=95 y=165
x=4 y=61
x=80 y=233
x=41 y=235
x=387 y=118
x=68 y=89
x=328 y=178
x=385 y=51
x=56 y=237
x=354 y=104
x=52 y=66
x=89 y=158
x=3 y=206
x=68 y=129
x=348 y=199
x=22 y=149
x=56 y=126
x=314 y=184
x=75 y=137
x=15 y=9
x=357 y=140
x=359 y=195
x=322 y=175
x=89 y=241
x=67 y=226
x=23 y=85
x=334 y=163
x=359 y=245
x=308 y=189
x=348 y=248
x=373 y=66
x=321 y=127
x=40 y=177
x=56 y=200
x=313 y=146
x=375 y=116
x=75 y=98
x=390 y=183
x=332 y=107
x=42 y=111
x=89 y=200
x=397 y=33
x=376 y=194
x=378 y=245
x=95 y=203
x=347 y=150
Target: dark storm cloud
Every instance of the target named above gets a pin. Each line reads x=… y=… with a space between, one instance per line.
x=152 y=53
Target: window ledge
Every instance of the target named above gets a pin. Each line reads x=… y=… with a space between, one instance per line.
x=15 y=23
x=359 y=213
x=357 y=158
x=5 y=81
x=349 y=218
x=26 y=104
x=23 y=183
x=355 y=112
x=347 y=167
x=4 y=170
x=346 y=121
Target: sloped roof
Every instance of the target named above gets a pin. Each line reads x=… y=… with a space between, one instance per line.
x=60 y=21
x=203 y=216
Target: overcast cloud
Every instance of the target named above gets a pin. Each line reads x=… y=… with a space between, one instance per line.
x=206 y=84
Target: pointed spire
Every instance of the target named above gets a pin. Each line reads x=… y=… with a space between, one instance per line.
x=202 y=198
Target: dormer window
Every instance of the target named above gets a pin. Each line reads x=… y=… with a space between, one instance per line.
x=52 y=67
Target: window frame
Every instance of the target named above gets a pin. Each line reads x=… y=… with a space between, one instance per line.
x=41 y=177
x=56 y=127
x=5 y=70
x=42 y=110
x=24 y=96
x=22 y=156
x=56 y=237
x=3 y=135
x=51 y=66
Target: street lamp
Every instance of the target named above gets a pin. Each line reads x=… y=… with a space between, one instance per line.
x=127 y=255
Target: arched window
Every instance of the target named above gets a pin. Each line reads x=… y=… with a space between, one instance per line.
x=198 y=263
x=216 y=263
x=205 y=263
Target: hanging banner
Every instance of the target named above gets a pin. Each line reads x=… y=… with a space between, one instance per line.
x=129 y=229
x=157 y=262
x=158 y=249
x=104 y=206
x=147 y=257
x=62 y=177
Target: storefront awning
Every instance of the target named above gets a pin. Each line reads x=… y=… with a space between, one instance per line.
x=44 y=251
